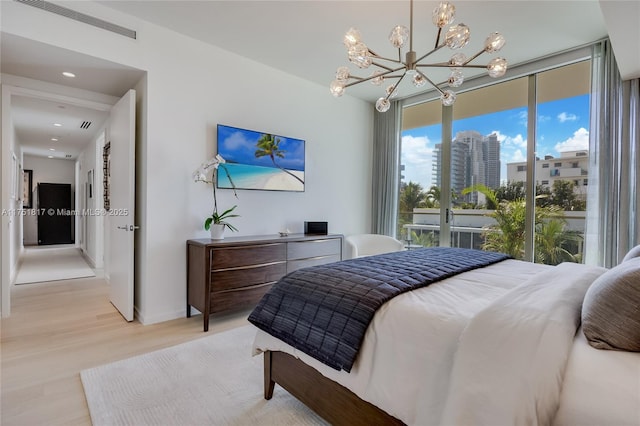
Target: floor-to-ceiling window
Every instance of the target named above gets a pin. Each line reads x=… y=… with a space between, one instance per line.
x=493 y=165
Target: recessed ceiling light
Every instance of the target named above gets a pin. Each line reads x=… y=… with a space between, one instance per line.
x=68 y=74
x=49 y=156
x=52 y=149
x=54 y=139
x=57 y=124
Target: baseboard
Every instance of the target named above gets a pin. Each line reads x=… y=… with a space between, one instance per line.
x=153 y=319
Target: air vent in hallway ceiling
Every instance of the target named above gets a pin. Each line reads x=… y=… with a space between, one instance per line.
x=85 y=125
x=81 y=17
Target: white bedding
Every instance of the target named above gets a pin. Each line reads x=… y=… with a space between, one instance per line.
x=411 y=382
x=600 y=387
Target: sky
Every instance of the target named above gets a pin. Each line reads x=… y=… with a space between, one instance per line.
x=239 y=146
x=563 y=125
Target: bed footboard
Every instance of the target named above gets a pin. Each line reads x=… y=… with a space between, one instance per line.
x=332 y=401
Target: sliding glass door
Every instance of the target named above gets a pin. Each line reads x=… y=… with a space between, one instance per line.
x=508 y=172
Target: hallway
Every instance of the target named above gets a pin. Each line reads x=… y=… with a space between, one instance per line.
x=52 y=263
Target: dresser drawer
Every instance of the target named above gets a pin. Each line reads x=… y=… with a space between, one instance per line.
x=238 y=298
x=293 y=265
x=315 y=248
x=247 y=276
x=238 y=256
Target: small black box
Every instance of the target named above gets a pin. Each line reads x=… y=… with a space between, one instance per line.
x=316 y=228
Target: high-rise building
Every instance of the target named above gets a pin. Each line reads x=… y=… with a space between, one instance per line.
x=475 y=159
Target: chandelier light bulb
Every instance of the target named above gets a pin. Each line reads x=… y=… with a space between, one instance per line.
x=457 y=36
x=359 y=55
x=448 y=98
x=419 y=80
x=342 y=74
x=443 y=15
x=378 y=79
x=456 y=78
x=494 y=42
x=337 y=88
x=399 y=36
x=383 y=105
x=457 y=60
x=352 y=37
x=391 y=91
x=497 y=67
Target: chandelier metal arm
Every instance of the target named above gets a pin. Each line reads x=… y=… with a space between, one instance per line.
x=395 y=86
x=429 y=53
x=395 y=61
x=447 y=65
x=438 y=38
x=473 y=57
x=363 y=79
x=386 y=67
x=430 y=82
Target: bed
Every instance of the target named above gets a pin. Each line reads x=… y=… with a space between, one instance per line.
x=495 y=344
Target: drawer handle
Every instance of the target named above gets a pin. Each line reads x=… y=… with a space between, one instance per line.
x=251 y=287
x=240 y=268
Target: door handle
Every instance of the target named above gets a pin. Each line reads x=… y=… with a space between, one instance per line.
x=133 y=227
x=122 y=227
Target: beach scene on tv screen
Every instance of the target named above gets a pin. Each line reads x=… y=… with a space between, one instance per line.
x=259 y=160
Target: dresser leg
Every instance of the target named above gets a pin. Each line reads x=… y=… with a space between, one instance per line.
x=206 y=322
x=188 y=310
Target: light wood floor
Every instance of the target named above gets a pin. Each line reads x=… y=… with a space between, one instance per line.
x=57 y=329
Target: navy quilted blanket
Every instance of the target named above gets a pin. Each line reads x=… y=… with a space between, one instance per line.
x=325 y=310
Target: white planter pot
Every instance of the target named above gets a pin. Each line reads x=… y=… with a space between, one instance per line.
x=217 y=231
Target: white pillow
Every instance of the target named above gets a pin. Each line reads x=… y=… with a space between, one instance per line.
x=634 y=252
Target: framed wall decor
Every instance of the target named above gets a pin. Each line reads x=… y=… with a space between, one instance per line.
x=259 y=160
x=15 y=177
x=90 y=182
x=27 y=189
x=106 y=169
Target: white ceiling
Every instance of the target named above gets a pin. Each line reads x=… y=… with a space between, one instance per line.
x=33 y=118
x=304 y=37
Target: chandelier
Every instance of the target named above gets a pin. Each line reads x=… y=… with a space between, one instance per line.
x=455 y=37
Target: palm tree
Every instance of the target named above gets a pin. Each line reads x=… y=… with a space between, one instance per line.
x=433 y=196
x=411 y=196
x=551 y=238
x=508 y=234
x=269 y=146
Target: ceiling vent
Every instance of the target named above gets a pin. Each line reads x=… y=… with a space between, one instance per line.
x=68 y=156
x=80 y=17
x=85 y=125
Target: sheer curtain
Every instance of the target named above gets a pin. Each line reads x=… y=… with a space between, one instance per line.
x=613 y=202
x=386 y=170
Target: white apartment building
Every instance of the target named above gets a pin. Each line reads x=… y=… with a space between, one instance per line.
x=572 y=166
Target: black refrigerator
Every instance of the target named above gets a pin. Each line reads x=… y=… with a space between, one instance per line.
x=55 y=214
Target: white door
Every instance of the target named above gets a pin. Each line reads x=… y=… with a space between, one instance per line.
x=121 y=214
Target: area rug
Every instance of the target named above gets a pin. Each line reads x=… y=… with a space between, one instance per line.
x=209 y=381
x=52 y=264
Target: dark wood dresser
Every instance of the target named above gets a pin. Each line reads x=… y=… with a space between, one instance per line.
x=233 y=273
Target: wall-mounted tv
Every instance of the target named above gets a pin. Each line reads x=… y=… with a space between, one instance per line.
x=259 y=160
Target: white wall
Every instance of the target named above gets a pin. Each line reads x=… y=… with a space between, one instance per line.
x=90 y=223
x=45 y=170
x=190 y=88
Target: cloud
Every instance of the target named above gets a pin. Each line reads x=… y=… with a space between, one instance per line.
x=578 y=142
x=544 y=118
x=505 y=140
x=517 y=157
x=563 y=117
x=417 y=158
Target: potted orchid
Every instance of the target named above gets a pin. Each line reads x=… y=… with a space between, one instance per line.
x=216 y=222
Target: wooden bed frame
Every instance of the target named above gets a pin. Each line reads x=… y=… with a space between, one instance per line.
x=332 y=401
